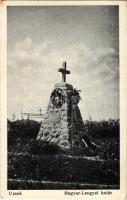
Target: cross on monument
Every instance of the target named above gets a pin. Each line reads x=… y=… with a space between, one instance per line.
x=64 y=72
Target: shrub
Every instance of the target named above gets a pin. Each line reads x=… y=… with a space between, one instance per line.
x=43 y=147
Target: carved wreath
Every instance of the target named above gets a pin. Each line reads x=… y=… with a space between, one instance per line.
x=74 y=96
x=57 y=98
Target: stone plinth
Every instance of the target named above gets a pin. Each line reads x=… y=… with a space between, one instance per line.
x=62 y=124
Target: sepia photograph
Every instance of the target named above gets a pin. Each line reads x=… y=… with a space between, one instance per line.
x=63 y=97
x=63 y=100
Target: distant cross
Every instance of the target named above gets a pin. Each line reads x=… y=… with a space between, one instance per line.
x=13 y=117
x=40 y=110
x=64 y=72
x=21 y=112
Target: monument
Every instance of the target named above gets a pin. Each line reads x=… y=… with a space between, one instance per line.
x=63 y=124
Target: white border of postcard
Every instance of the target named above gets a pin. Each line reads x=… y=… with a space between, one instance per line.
x=59 y=194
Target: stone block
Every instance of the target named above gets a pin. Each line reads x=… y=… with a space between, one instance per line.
x=55 y=140
x=48 y=139
x=44 y=126
x=53 y=131
x=64 y=112
x=57 y=126
x=64 y=137
x=64 y=118
x=49 y=128
x=40 y=134
x=45 y=133
x=64 y=107
x=45 y=118
x=63 y=85
x=64 y=143
x=39 y=137
x=64 y=130
x=44 y=122
x=64 y=125
x=57 y=135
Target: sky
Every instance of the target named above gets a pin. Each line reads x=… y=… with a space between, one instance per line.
x=40 y=38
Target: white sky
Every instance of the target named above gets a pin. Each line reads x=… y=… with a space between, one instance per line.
x=41 y=38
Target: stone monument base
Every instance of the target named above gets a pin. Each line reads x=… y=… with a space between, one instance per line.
x=62 y=124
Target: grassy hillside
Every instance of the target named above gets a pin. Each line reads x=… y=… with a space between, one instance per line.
x=33 y=164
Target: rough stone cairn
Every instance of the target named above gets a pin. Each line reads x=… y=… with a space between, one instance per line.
x=63 y=124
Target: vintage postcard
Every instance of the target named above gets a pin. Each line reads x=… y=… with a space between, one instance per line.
x=63 y=100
